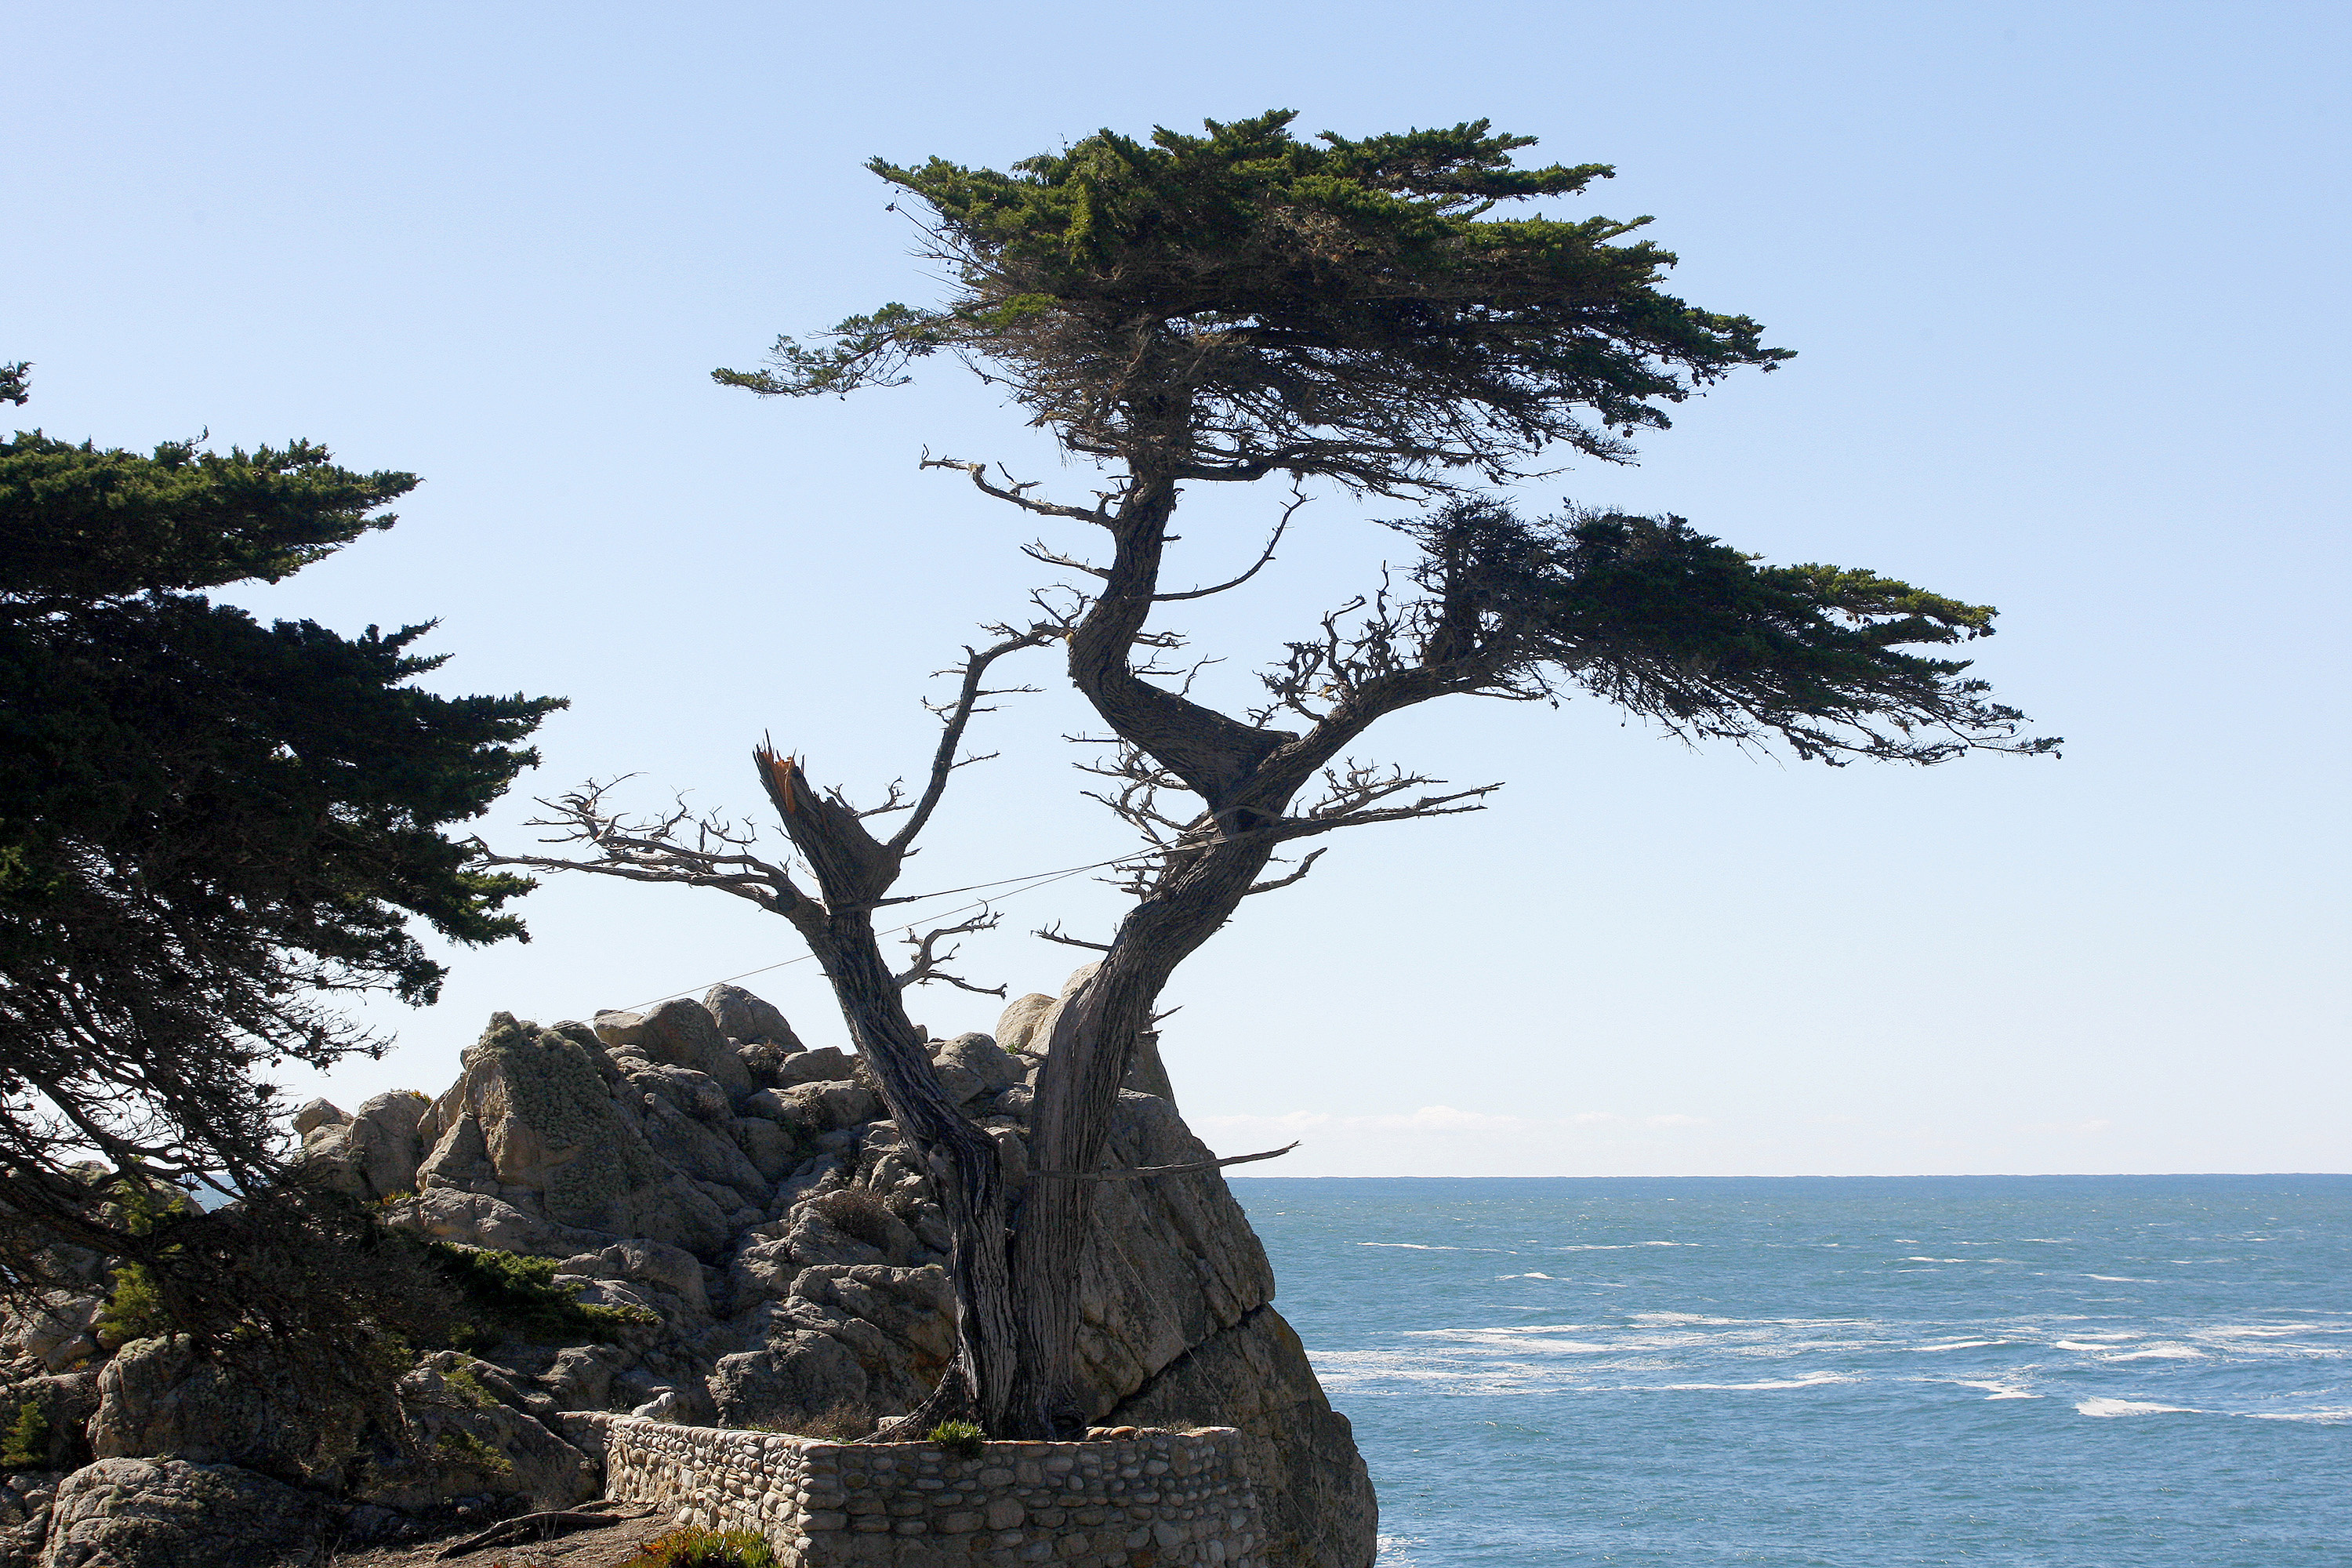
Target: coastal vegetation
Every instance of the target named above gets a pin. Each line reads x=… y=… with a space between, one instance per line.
x=212 y=830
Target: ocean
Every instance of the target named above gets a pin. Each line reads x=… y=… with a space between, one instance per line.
x=2059 y=1372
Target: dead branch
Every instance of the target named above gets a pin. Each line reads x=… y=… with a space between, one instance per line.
x=929 y=958
x=1141 y=1172
x=1304 y=867
x=677 y=847
x=1035 y=550
x=1299 y=497
x=1014 y=491
x=955 y=715
x=1427 y=805
x=1054 y=933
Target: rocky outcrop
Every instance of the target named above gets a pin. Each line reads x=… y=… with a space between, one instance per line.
x=169 y=1513
x=779 y=1246
x=159 y=1397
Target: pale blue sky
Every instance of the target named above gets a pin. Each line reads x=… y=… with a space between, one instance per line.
x=2065 y=282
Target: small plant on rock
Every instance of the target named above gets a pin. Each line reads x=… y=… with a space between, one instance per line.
x=857 y=1213
x=26 y=1445
x=693 y=1548
x=960 y=1438
x=465 y=1449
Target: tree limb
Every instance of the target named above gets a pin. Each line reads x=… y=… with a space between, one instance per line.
x=1297 y=498
x=1147 y=1171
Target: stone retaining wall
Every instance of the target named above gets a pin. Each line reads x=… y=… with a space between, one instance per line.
x=1157 y=1499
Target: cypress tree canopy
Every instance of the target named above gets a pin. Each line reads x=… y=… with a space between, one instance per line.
x=1244 y=302
x=210 y=826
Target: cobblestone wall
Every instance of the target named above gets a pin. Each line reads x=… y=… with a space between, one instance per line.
x=1155 y=1499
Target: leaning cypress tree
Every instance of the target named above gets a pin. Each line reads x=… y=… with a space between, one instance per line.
x=1242 y=305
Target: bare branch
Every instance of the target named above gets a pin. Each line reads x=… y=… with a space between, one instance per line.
x=894 y=799
x=1035 y=550
x=1427 y=805
x=1054 y=933
x=1013 y=490
x=1304 y=867
x=955 y=715
x=1146 y=1170
x=677 y=847
x=929 y=958
x=1299 y=497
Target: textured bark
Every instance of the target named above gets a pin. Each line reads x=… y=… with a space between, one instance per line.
x=854 y=872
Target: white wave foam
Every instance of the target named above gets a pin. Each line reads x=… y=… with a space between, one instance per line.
x=2328 y=1417
x=2165 y=1351
x=1811 y=1380
x=1953 y=1345
x=2113 y=1407
x=2119 y=1279
x=1998 y=1390
x=1522 y=1276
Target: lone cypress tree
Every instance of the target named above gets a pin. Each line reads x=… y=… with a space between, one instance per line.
x=1245 y=304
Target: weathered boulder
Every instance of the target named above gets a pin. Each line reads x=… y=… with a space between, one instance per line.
x=372 y=1155
x=477 y=1219
x=648 y=1263
x=743 y=1017
x=799 y=1376
x=170 y=1513
x=815 y=1108
x=386 y=1144
x=55 y=1330
x=977 y=1054
x=1018 y=1027
x=826 y=1064
x=531 y=1123
x=681 y=1032
x=319 y=1113
x=769 y=1145
x=159 y=1397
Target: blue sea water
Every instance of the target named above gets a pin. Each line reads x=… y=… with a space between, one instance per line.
x=2059 y=1372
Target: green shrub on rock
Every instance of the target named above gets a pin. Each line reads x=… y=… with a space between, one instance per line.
x=693 y=1548
x=510 y=1295
x=26 y=1445
x=959 y=1439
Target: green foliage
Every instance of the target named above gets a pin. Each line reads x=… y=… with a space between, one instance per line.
x=509 y=1296
x=209 y=825
x=26 y=1446
x=698 y=1547
x=960 y=1438
x=1678 y=628
x=469 y=1388
x=134 y=1309
x=1222 y=306
x=466 y=1448
x=79 y=522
